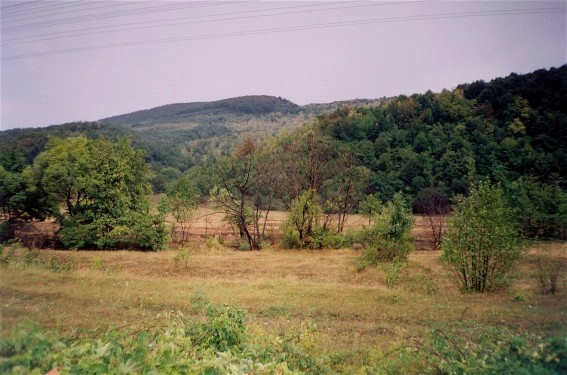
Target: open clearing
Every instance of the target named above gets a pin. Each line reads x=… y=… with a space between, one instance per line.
x=280 y=289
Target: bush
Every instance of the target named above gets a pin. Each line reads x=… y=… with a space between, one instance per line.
x=482 y=243
x=174 y=343
x=472 y=348
x=390 y=236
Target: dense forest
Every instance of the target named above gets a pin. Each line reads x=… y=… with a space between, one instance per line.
x=250 y=155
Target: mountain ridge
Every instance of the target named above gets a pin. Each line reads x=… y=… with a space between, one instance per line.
x=248 y=105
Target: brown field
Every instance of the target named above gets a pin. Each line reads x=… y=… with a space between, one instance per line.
x=279 y=288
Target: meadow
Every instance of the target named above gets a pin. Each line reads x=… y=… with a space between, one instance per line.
x=350 y=314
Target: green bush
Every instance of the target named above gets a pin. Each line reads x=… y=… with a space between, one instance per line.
x=175 y=343
x=482 y=243
x=473 y=348
x=390 y=236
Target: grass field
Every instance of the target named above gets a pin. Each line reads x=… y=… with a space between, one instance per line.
x=375 y=309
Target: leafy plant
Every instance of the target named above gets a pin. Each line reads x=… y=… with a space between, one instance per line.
x=181 y=259
x=472 y=348
x=482 y=243
x=301 y=221
x=390 y=236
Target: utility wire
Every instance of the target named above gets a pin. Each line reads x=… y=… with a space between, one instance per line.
x=167 y=20
x=18 y=17
x=43 y=7
x=122 y=13
x=18 y=5
x=293 y=28
x=47 y=37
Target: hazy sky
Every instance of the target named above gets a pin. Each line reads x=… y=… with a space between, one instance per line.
x=64 y=61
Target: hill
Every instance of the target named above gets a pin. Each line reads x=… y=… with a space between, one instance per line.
x=185 y=134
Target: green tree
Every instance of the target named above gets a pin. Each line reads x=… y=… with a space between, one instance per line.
x=302 y=218
x=390 y=236
x=541 y=208
x=181 y=200
x=370 y=207
x=482 y=243
x=105 y=187
x=342 y=192
x=20 y=199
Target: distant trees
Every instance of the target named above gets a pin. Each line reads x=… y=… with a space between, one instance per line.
x=482 y=243
x=20 y=199
x=104 y=187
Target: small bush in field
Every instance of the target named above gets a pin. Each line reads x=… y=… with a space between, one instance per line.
x=482 y=243
x=390 y=236
x=181 y=259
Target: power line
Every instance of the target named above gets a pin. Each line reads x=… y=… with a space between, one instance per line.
x=165 y=20
x=15 y=18
x=122 y=13
x=44 y=6
x=18 y=5
x=45 y=37
x=293 y=28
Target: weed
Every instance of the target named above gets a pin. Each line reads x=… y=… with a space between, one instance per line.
x=548 y=273
x=7 y=253
x=181 y=259
x=277 y=311
x=472 y=348
x=394 y=272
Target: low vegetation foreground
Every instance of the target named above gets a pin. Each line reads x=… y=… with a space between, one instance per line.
x=313 y=306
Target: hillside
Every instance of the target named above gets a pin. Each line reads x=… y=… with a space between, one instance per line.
x=185 y=134
x=505 y=129
x=193 y=112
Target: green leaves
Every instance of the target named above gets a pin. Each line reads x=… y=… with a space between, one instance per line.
x=482 y=243
x=104 y=187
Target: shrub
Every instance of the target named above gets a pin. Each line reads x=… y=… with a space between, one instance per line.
x=301 y=222
x=482 y=243
x=390 y=236
x=548 y=273
x=471 y=348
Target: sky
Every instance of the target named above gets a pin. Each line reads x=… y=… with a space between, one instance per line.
x=66 y=61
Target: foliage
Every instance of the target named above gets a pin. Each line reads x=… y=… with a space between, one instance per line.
x=20 y=199
x=370 y=207
x=482 y=243
x=104 y=187
x=472 y=348
x=12 y=255
x=181 y=201
x=301 y=221
x=175 y=344
x=541 y=208
x=501 y=130
x=389 y=238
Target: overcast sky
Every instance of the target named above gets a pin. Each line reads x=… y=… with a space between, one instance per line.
x=64 y=61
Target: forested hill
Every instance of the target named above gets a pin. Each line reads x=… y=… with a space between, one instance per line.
x=507 y=129
x=181 y=135
x=189 y=112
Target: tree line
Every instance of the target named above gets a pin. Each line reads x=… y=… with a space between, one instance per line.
x=428 y=149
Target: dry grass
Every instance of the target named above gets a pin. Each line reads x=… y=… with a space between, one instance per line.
x=279 y=288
